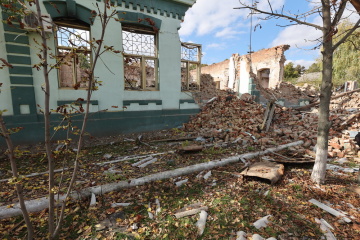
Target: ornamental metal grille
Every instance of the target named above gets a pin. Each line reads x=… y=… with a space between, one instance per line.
x=137 y=43
x=190 y=66
x=190 y=52
x=73 y=37
x=140 y=58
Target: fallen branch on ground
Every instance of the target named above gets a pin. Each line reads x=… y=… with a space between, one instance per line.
x=42 y=203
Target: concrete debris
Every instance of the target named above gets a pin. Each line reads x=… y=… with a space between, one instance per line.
x=241 y=235
x=107 y=156
x=93 y=200
x=147 y=163
x=201 y=222
x=262 y=222
x=190 y=210
x=207 y=175
x=144 y=162
x=326 y=229
x=179 y=183
x=265 y=170
x=336 y=168
x=330 y=210
x=113 y=205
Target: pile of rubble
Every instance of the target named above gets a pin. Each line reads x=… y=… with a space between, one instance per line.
x=350 y=102
x=208 y=90
x=293 y=93
x=233 y=120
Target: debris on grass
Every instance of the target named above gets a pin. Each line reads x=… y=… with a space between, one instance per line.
x=113 y=205
x=265 y=170
x=181 y=182
x=330 y=210
x=190 y=210
x=262 y=222
x=326 y=228
x=201 y=222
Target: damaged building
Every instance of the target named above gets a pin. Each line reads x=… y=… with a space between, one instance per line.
x=145 y=83
x=234 y=73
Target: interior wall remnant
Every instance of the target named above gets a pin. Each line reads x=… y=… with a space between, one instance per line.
x=234 y=74
x=219 y=72
x=263 y=76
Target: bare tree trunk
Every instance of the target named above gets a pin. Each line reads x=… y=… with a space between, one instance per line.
x=319 y=170
x=47 y=139
x=18 y=186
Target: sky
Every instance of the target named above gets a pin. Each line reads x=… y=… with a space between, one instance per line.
x=223 y=30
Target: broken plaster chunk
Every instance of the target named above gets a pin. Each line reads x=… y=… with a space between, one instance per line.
x=262 y=222
x=179 y=183
x=185 y=213
x=158 y=207
x=325 y=228
x=241 y=235
x=257 y=237
x=330 y=210
x=265 y=170
x=141 y=161
x=120 y=204
x=151 y=216
x=107 y=156
x=134 y=226
x=201 y=222
x=147 y=163
x=93 y=199
x=336 y=168
x=207 y=175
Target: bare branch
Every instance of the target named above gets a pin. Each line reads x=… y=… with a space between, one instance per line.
x=270 y=6
x=346 y=35
x=273 y=14
x=339 y=13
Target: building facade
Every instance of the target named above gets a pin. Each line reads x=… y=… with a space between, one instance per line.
x=144 y=76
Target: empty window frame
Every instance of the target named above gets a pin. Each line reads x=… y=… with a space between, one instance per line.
x=140 y=58
x=73 y=54
x=190 y=66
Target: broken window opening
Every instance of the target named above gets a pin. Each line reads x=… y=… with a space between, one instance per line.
x=140 y=58
x=264 y=76
x=73 y=54
x=190 y=66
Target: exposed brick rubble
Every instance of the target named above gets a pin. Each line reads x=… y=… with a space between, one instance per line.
x=293 y=93
x=208 y=90
x=230 y=119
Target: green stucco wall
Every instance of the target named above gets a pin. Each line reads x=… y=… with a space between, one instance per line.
x=22 y=92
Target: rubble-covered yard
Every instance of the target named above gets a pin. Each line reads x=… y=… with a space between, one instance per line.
x=221 y=202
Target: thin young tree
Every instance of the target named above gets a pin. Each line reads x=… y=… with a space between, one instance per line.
x=98 y=48
x=331 y=12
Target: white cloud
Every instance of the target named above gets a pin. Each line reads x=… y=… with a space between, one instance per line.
x=298 y=36
x=228 y=32
x=215 y=45
x=208 y=16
